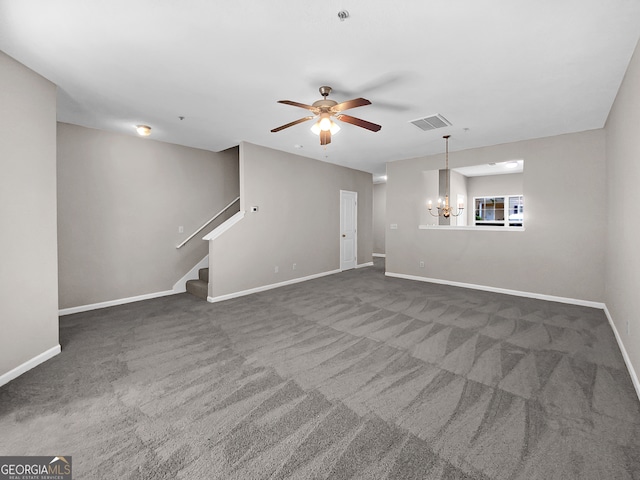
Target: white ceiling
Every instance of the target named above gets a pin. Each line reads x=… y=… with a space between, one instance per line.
x=499 y=71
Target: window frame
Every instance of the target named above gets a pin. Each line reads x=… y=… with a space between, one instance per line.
x=505 y=222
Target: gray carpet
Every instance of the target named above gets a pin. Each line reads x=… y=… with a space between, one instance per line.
x=349 y=376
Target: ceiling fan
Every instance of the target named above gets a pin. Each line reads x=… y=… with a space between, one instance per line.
x=324 y=109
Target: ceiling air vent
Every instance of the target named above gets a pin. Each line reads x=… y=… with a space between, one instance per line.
x=431 y=123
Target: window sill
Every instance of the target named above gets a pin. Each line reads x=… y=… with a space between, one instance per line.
x=473 y=228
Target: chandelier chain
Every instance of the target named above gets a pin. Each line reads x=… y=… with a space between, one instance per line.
x=446 y=210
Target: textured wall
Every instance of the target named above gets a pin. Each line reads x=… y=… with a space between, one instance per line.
x=561 y=252
x=29 y=271
x=121 y=200
x=298 y=221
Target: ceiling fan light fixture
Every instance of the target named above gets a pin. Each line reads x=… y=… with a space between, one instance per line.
x=143 y=130
x=333 y=127
x=325 y=123
x=323 y=110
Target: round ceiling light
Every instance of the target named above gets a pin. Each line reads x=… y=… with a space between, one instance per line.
x=143 y=130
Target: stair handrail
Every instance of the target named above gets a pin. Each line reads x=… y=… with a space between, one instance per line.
x=209 y=221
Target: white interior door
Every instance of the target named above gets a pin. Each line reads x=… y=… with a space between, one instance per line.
x=348 y=233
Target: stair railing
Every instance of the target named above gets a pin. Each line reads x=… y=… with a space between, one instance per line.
x=208 y=222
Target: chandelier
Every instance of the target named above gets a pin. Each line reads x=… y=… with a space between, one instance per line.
x=444 y=209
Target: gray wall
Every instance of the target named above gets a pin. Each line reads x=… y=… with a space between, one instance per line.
x=458 y=186
x=121 y=200
x=379 y=216
x=488 y=185
x=622 y=279
x=430 y=185
x=561 y=253
x=29 y=271
x=298 y=221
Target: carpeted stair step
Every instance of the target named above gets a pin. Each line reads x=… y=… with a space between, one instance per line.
x=199 y=288
x=203 y=274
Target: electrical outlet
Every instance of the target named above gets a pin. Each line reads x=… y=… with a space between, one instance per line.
x=180 y=229
x=276 y=270
x=421 y=264
x=294 y=267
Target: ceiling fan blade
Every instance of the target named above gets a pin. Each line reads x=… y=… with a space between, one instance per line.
x=300 y=120
x=359 y=122
x=325 y=137
x=297 y=104
x=356 y=102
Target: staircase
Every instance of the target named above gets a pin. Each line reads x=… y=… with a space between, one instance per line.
x=199 y=287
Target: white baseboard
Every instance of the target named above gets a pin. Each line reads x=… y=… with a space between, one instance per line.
x=383 y=255
x=625 y=355
x=113 y=303
x=29 y=364
x=517 y=293
x=242 y=293
x=368 y=264
x=181 y=285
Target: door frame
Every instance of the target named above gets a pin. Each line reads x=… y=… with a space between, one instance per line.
x=355 y=228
